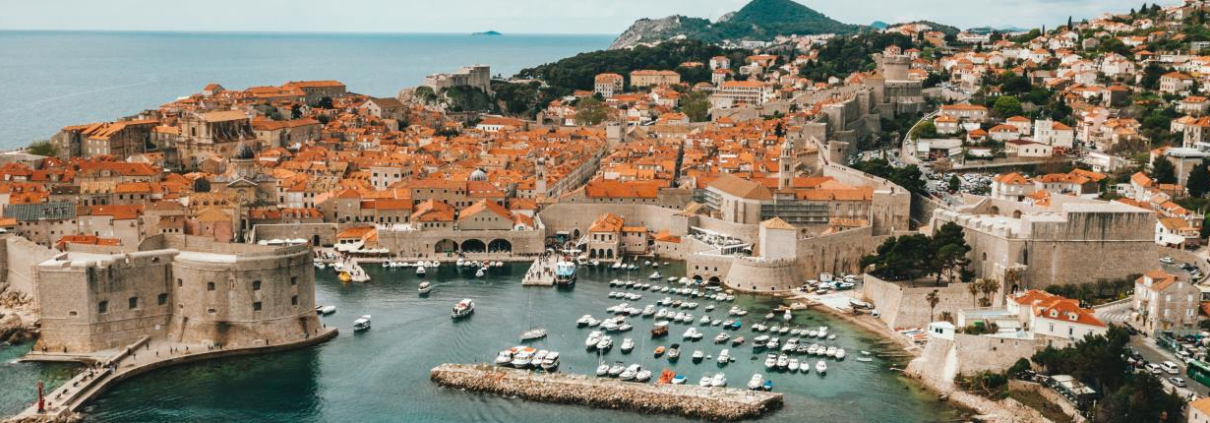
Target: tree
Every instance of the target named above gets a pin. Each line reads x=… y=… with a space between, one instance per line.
x=949 y=250
x=988 y=287
x=326 y=103
x=295 y=112
x=955 y=184
x=973 y=288
x=1162 y=170
x=932 y=299
x=591 y=112
x=1198 y=183
x=42 y=148
x=696 y=105
x=1007 y=106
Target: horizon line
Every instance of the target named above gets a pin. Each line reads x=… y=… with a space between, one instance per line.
x=292 y=32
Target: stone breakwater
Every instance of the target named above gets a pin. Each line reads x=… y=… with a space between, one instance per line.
x=683 y=400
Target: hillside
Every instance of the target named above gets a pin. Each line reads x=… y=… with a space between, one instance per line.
x=758 y=20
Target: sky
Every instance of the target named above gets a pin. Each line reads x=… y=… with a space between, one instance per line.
x=507 y=16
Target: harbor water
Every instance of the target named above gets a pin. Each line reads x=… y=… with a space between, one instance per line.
x=382 y=374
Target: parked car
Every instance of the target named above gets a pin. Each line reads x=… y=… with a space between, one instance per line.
x=1177 y=381
x=1171 y=367
x=1153 y=368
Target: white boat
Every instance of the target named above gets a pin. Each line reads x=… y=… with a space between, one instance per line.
x=672 y=279
x=698 y=355
x=787 y=317
x=760 y=341
x=605 y=344
x=724 y=357
x=783 y=361
x=616 y=265
x=643 y=376
x=704 y=321
x=630 y=372
x=771 y=361
x=533 y=334
x=424 y=288
x=793 y=366
x=464 y=308
x=773 y=343
x=523 y=358
x=420 y=271
x=627 y=345
x=647 y=262
x=690 y=334
x=821 y=367
x=603 y=370
x=864 y=359
x=655 y=276
x=705 y=381
x=722 y=338
x=719 y=381
x=831 y=352
x=480 y=273
x=840 y=354
x=649 y=310
x=757 y=382
x=361 y=324
x=504 y=357
x=325 y=310
x=617 y=369
x=583 y=321
x=551 y=362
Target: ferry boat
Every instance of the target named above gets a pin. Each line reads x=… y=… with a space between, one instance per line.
x=464 y=308
x=424 y=288
x=361 y=324
x=565 y=272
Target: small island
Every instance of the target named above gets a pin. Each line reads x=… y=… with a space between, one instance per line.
x=487 y=33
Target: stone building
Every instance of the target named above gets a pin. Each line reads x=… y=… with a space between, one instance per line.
x=1165 y=303
x=477 y=76
x=176 y=288
x=608 y=84
x=316 y=90
x=121 y=139
x=654 y=78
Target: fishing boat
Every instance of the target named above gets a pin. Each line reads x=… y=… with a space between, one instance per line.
x=565 y=272
x=361 y=324
x=821 y=367
x=464 y=308
x=424 y=288
x=756 y=382
x=532 y=334
x=627 y=345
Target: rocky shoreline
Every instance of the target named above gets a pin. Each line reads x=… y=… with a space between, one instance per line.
x=721 y=404
x=16 y=322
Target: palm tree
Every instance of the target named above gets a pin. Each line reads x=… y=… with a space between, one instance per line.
x=989 y=288
x=973 y=287
x=947 y=316
x=932 y=299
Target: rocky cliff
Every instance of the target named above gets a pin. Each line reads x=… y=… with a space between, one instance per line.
x=651 y=31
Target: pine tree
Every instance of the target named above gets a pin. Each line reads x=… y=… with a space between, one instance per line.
x=1198 y=183
x=1162 y=170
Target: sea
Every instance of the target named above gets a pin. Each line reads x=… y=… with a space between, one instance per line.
x=382 y=375
x=51 y=79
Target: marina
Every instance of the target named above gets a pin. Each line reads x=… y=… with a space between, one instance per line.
x=321 y=383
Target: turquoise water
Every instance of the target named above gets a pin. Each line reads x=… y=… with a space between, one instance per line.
x=20 y=380
x=382 y=375
x=54 y=79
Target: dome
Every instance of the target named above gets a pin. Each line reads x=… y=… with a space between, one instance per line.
x=478 y=175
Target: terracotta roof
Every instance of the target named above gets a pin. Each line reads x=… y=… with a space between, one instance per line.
x=608 y=222
x=741 y=188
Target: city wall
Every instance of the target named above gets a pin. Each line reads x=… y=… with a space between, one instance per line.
x=902 y=306
x=20 y=263
x=943 y=360
x=573 y=217
x=308 y=231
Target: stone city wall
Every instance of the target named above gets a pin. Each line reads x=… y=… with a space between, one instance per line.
x=943 y=360
x=308 y=231
x=755 y=275
x=21 y=259
x=901 y=306
x=572 y=217
x=423 y=243
x=836 y=253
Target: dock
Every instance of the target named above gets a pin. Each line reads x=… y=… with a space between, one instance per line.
x=542 y=272
x=690 y=401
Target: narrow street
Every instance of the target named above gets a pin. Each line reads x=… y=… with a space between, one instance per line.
x=1120 y=314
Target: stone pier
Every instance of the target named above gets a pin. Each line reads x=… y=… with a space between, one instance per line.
x=542 y=272
x=682 y=400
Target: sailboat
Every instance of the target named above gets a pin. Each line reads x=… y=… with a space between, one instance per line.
x=533 y=333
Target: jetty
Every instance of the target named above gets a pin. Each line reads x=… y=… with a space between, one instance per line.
x=542 y=272
x=682 y=400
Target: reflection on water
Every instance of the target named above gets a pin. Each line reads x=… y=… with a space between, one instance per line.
x=382 y=375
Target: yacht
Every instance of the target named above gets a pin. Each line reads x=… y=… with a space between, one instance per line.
x=722 y=338
x=821 y=367
x=361 y=324
x=698 y=355
x=551 y=362
x=425 y=288
x=627 y=345
x=325 y=310
x=420 y=271
x=724 y=357
x=757 y=382
x=605 y=344
x=464 y=308
x=719 y=381
x=593 y=338
x=532 y=334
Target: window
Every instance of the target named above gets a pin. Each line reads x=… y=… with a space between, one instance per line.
x=256 y=306
x=103 y=307
x=161 y=299
x=294 y=300
x=293 y=280
x=256 y=285
x=134 y=302
x=179 y=282
x=209 y=286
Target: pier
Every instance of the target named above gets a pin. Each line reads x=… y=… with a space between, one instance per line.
x=542 y=272
x=683 y=400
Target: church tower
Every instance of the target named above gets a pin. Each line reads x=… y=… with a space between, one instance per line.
x=786 y=164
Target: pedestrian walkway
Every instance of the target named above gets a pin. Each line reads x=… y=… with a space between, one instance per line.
x=542 y=272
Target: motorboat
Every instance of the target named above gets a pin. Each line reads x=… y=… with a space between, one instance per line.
x=736 y=325
x=603 y=370
x=710 y=307
x=420 y=271
x=674 y=352
x=659 y=351
x=593 y=338
x=705 y=381
x=698 y=355
x=551 y=362
x=642 y=376
x=719 y=381
x=464 y=308
x=627 y=345
x=672 y=279
x=757 y=382
x=812 y=349
x=649 y=310
x=425 y=288
x=771 y=361
x=768 y=385
x=821 y=367
x=325 y=310
x=505 y=357
x=760 y=341
x=361 y=324
x=724 y=357
x=783 y=362
x=831 y=352
x=773 y=343
x=793 y=366
x=630 y=372
x=840 y=354
x=480 y=273
x=660 y=330
x=769 y=316
x=617 y=369
x=616 y=265
x=705 y=320
x=655 y=276
x=679 y=380
x=523 y=357
x=583 y=321
x=605 y=344
x=787 y=316
x=532 y=334
x=775 y=329
x=737 y=341
x=692 y=334
x=722 y=338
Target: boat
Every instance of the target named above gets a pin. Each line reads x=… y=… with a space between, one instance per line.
x=325 y=310
x=840 y=354
x=605 y=345
x=679 y=380
x=655 y=276
x=464 y=308
x=710 y=307
x=583 y=320
x=793 y=366
x=787 y=317
x=617 y=369
x=698 y=355
x=565 y=272
x=821 y=367
x=756 y=382
x=593 y=338
x=705 y=381
x=361 y=324
x=771 y=361
x=642 y=376
x=627 y=345
x=649 y=310
x=783 y=362
x=737 y=341
x=719 y=381
x=505 y=357
x=674 y=352
x=523 y=357
x=420 y=271
x=532 y=334
x=480 y=273
x=831 y=352
x=722 y=338
x=773 y=343
x=602 y=370
x=616 y=265
x=660 y=330
x=345 y=276
x=769 y=316
x=630 y=372
x=705 y=320
x=760 y=341
x=865 y=359
x=551 y=362
x=724 y=357
x=659 y=351
x=425 y=288
x=736 y=325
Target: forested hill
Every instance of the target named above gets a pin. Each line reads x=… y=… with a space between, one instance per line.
x=577 y=72
x=758 y=20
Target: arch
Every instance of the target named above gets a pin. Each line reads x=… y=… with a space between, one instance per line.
x=1016 y=214
x=473 y=246
x=315 y=240
x=697 y=279
x=500 y=246
x=446 y=246
x=592 y=253
x=575 y=235
x=995 y=210
x=714 y=280
x=609 y=253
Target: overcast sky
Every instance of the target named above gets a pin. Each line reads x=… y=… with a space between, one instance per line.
x=509 y=16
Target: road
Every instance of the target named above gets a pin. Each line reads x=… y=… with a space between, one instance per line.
x=1120 y=313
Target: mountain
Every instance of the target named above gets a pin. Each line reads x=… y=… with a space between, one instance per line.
x=758 y=20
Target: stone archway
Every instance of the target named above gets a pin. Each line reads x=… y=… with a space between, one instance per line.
x=473 y=246
x=592 y=253
x=446 y=246
x=714 y=280
x=500 y=246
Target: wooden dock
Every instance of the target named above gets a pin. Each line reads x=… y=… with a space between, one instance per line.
x=682 y=400
x=542 y=272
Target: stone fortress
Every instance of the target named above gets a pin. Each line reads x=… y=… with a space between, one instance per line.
x=172 y=288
